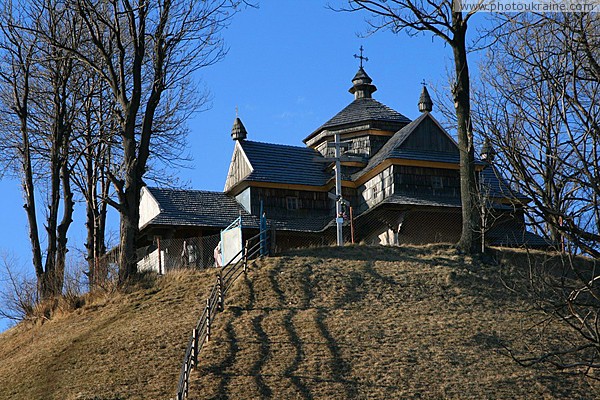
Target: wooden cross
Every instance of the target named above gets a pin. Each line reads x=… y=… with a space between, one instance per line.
x=424 y=83
x=361 y=57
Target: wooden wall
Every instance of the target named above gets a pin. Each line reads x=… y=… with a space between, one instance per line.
x=420 y=227
x=365 y=146
x=376 y=189
x=419 y=181
x=428 y=136
x=239 y=168
x=275 y=202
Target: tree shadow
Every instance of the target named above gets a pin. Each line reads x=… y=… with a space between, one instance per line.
x=275 y=284
x=220 y=369
x=339 y=367
x=370 y=270
x=263 y=354
x=307 y=285
x=299 y=356
x=351 y=293
x=251 y=292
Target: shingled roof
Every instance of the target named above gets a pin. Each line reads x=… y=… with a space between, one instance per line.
x=278 y=163
x=201 y=208
x=496 y=185
x=197 y=208
x=360 y=111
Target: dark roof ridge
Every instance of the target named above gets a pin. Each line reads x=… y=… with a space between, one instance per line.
x=184 y=190
x=349 y=115
x=276 y=144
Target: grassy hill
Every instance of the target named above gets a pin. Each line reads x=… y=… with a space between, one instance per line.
x=380 y=323
x=358 y=322
x=122 y=346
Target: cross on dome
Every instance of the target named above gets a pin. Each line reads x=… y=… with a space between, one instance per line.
x=361 y=56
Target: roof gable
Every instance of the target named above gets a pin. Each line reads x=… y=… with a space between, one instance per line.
x=428 y=135
x=423 y=139
x=239 y=167
x=149 y=207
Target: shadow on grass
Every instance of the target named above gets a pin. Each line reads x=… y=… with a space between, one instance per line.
x=299 y=356
x=288 y=321
x=371 y=253
x=273 y=280
x=263 y=356
x=307 y=285
x=227 y=363
x=376 y=275
x=351 y=293
x=340 y=369
x=251 y=292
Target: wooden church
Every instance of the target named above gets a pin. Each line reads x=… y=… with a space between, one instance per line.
x=400 y=177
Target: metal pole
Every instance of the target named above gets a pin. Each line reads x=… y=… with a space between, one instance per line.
x=159 y=255
x=352 y=225
x=339 y=220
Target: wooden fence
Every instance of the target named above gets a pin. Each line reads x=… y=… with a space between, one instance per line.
x=215 y=302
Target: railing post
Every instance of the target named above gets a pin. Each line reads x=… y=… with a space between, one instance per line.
x=195 y=347
x=186 y=380
x=246 y=257
x=220 y=291
x=207 y=320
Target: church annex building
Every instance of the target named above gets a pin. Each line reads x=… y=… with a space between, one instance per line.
x=400 y=177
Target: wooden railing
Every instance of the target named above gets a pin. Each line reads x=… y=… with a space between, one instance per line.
x=215 y=302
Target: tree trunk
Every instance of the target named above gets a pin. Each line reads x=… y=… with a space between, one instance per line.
x=67 y=219
x=29 y=206
x=469 y=239
x=129 y=231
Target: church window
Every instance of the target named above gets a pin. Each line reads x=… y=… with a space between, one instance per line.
x=292 y=203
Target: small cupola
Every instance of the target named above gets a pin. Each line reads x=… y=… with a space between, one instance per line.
x=238 y=132
x=425 y=103
x=487 y=151
x=362 y=87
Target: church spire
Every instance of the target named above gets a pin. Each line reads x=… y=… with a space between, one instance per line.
x=425 y=103
x=238 y=131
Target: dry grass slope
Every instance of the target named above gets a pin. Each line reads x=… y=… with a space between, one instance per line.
x=378 y=323
x=352 y=323
x=126 y=346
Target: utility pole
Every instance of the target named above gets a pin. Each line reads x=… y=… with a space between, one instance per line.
x=338 y=145
x=339 y=217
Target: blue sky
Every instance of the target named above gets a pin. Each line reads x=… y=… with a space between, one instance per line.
x=288 y=70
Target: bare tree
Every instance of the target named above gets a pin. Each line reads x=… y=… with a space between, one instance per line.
x=96 y=141
x=540 y=107
x=38 y=90
x=145 y=52
x=440 y=19
x=566 y=289
x=18 y=292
